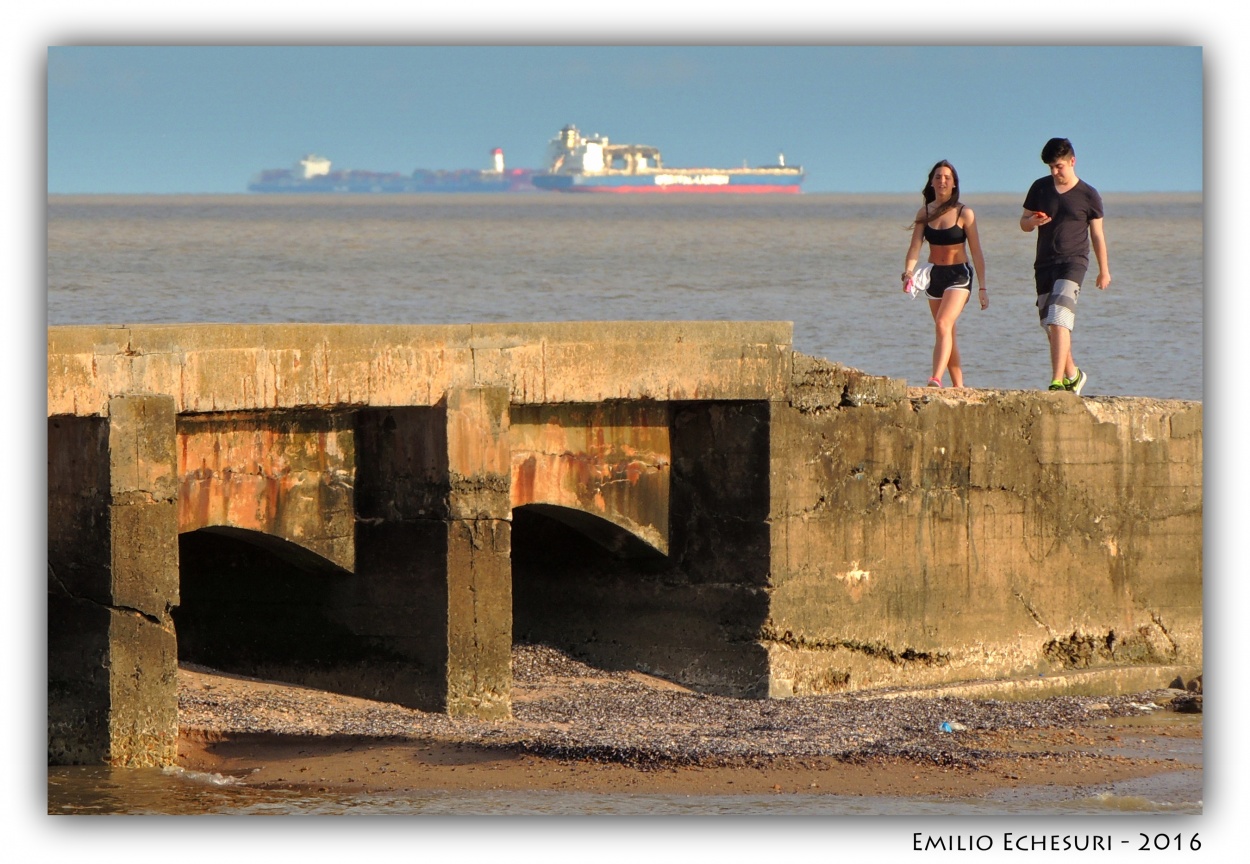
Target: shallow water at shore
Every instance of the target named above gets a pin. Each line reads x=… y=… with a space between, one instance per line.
x=104 y=791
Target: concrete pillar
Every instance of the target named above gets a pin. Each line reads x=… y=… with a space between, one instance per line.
x=433 y=584
x=479 y=568
x=112 y=581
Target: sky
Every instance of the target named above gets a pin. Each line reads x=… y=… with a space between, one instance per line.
x=163 y=120
x=858 y=118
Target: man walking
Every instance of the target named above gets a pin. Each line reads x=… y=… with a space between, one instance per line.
x=1067 y=212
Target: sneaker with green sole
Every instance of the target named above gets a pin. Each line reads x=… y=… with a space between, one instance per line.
x=1077 y=384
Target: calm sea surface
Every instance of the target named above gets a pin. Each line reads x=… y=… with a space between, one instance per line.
x=829 y=263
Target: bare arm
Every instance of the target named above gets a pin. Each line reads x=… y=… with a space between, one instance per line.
x=1099 y=243
x=913 y=250
x=1030 y=220
x=978 y=258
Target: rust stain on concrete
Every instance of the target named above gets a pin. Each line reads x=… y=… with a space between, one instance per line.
x=283 y=475
x=611 y=460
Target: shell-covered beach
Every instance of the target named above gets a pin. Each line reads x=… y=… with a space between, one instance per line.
x=582 y=729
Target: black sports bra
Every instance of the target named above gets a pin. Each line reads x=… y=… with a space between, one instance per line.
x=952 y=236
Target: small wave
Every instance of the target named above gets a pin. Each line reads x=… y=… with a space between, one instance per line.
x=206 y=777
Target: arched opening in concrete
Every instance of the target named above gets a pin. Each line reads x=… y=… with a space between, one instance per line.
x=615 y=604
x=618 y=540
x=695 y=614
x=258 y=605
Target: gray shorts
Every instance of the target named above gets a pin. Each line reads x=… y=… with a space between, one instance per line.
x=1058 y=287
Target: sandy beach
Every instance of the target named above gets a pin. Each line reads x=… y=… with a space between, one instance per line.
x=576 y=728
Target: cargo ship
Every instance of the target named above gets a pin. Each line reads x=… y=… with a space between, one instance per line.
x=593 y=164
x=315 y=174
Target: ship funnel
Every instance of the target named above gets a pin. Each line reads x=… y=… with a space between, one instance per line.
x=497 y=155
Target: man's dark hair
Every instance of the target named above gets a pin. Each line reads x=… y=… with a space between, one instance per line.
x=1057 y=148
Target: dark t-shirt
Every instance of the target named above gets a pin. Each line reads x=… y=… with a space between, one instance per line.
x=1066 y=237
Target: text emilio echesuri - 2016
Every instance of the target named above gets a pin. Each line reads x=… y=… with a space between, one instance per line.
x=1014 y=842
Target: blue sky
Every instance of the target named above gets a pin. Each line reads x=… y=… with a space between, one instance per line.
x=859 y=118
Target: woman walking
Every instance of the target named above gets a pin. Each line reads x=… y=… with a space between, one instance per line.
x=950 y=229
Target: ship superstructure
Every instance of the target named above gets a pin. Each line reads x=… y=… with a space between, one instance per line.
x=579 y=163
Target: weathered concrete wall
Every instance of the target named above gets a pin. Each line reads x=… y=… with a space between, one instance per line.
x=251 y=367
x=112 y=582
x=930 y=537
x=284 y=474
x=611 y=461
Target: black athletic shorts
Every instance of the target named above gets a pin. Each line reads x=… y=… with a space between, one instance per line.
x=944 y=277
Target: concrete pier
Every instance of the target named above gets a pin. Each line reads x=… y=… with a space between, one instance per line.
x=383 y=510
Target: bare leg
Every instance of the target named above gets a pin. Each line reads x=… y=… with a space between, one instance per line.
x=1061 y=363
x=953 y=364
x=945 y=353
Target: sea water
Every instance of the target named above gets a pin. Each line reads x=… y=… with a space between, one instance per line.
x=83 y=790
x=828 y=263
